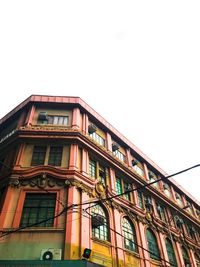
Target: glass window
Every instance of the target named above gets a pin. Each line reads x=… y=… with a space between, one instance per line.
x=171 y=253
x=96 y=137
x=167 y=189
x=179 y=199
x=38 y=207
x=55 y=156
x=92 y=168
x=100 y=232
x=161 y=212
x=39 y=153
x=140 y=199
x=137 y=166
x=102 y=174
x=118 y=186
x=57 y=120
x=152 y=245
x=127 y=187
x=185 y=256
x=153 y=178
x=129 y=235
x=119 y=155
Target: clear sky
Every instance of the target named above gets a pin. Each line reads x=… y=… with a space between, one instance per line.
x=137 y=63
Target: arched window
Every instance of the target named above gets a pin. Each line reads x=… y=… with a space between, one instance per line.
x=171 y=253
x=129 y=235
x=185 y=257
x=152 y=245
x=100 y=228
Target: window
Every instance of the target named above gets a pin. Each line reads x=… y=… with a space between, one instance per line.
x=53 y=119
x=129 y=235
x=97 y=171
x=55 y=156
x=38 y=207
x=179 y=199
x=138 y=168
x=118 y=186
x=38 y=157
x=186 y=258
x=100 y=232
x=127 y=187
x=92 y=168
x=140 y=199
x=152 y=245
x=119 y=155
x=102 y=174
x=171 y=253
x=96 y=137
x=153 y=178
x=167 y=189
x=122 y=187
x=161 y=212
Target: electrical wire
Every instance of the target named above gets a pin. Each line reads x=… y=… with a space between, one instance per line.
x=134 y=242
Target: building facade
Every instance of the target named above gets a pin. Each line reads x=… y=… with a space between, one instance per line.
x=61 y=168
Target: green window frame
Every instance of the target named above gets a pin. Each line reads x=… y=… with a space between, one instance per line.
x=186 y=258
x=129 y=235
x=38 y=207
x=38 y=157
x=118 y=186
x=152 y=245
x=171 y=253
x=92 y=168
x=100 y=232
x=55 y=155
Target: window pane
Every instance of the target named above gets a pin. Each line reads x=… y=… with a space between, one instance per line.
x=38 y=207
x=129 y=235
x=152 y=245
x=92 y=168
x=55 y=156
x=170 y=252
x=98 y=139
x=100 y=232
x=118 y=186
x=38 y=157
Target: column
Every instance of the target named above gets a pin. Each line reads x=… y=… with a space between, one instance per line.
x=128 y=157
x=118 y=238
x=165 y=257
x=180 y=256
x=73 y=158
x=112 y=181
x=109 y=141
x=5 y=207
x=76 y=119
x=192 y=258
x=85 y=162
x=143 y=250
x=72 y=234
x=85 y=224
x=19 y=156
x=85 y=124
x=29 y=118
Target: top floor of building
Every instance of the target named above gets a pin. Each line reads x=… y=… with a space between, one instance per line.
x=43 y=115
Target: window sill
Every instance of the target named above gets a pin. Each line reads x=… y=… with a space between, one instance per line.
x=102 y=242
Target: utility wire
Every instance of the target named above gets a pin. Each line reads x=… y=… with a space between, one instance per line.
x=135 y=243
x=96 y=202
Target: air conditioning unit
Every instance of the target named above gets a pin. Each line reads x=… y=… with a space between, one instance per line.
x=115 y=146
x=48 y=254
x=134 y=162
x=97 y=220
x=92 y=128
x=42 y=116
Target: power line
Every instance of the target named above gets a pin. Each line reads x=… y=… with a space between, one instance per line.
x=135 y=243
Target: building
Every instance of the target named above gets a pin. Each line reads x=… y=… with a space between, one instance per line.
x=57 y=151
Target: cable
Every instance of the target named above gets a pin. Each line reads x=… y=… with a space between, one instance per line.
x=141 y=187
x=135 y=243
x=40 y=187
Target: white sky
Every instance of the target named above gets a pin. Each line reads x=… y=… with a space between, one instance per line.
x=137 y=63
